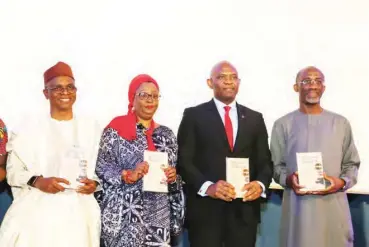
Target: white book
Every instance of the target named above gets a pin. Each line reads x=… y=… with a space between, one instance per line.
x=237 y=172
x=155 y=179
x=310 y=171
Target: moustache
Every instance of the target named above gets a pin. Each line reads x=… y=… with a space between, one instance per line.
x=312 y=90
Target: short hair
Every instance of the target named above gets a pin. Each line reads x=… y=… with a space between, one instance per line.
x=308 y=69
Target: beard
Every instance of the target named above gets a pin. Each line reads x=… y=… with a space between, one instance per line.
x=312 y=101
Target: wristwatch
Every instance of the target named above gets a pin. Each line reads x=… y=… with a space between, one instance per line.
x=97 y=183
x=31 y=182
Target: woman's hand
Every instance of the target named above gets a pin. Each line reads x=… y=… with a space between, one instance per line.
x=171 y=174
x=132 y=176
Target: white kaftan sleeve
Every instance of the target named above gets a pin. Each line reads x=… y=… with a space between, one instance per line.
x=17 y=173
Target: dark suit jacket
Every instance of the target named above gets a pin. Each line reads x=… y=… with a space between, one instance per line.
x=203 y=148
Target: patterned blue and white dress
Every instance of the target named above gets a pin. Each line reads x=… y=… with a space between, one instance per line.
x=131 y=217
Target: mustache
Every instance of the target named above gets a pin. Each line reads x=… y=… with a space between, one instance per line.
x=313 y=90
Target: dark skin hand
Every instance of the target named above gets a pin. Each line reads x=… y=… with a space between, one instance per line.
x=136 y=174
x=88 y=188
x=253 y=191
x=2 y=167
x=292 y=181
x=221 y=190
x=336 y=184
x=50 y=185
x=171 y=174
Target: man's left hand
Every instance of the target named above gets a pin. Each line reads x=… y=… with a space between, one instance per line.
x=89 y=186
x=253 y=191
x=336 y=185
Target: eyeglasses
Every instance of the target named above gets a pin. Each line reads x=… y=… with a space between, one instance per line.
x=59 y=89
x=224 y=78
x=146 y=96
x=310 y=82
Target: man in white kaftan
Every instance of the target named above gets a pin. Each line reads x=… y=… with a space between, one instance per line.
x=52 y=186
x=314 y=218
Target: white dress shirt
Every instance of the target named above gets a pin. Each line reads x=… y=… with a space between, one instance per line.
x=234 y=118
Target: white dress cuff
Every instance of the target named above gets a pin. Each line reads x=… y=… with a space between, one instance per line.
x=263 y=195
x=204 y=188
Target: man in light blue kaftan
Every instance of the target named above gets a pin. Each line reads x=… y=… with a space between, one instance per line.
x=314 y=218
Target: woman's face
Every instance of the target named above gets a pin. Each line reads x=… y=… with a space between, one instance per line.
x=146 y=100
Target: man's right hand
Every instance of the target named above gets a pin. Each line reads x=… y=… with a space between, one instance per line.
x=221 y=190
x=50 y=185
x=3 y=167
x=2 y=174
x=292 y=181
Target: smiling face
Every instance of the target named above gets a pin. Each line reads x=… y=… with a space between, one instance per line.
x=146 y=101
x=225 y=82
x=61 y=92
x=310 y=86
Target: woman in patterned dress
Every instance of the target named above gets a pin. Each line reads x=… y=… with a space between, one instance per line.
x=132 y=217
x=5 y=191
x=3 y=141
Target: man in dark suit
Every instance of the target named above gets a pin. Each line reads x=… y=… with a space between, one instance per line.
x=208 y=134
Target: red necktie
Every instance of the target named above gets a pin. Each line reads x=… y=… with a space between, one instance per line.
x=228 y=126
